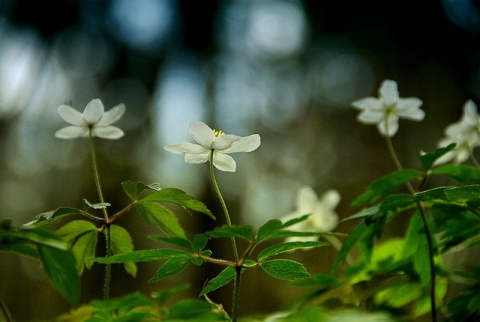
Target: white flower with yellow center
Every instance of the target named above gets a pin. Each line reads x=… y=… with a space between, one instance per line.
x=465 y=133
x=214 y=141
x=322 y=212
x=386 y=110
x=94 y=118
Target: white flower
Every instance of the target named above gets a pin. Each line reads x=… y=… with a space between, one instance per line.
x=220 y=143
x=388 y=108
x=93 y=118
x=323 y=216
x=465 y=133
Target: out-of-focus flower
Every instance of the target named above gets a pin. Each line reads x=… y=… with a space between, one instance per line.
x=388 y=108
x=323 y=216
x=465 y=133
x=220 y=143
x=94 y=118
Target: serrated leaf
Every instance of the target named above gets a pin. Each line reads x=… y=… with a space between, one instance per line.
x=428 y=159
x=51 y=217
x=225 y=276
x=386 y=185
x=74 y=229
x=143 y=256
x=84 y=250
x=348 y=244
x=171 y=267
x=166 y=220
x=367 y=212
x=268 y=228
x=199 y=242
x=122 y=243
x=179 y=241
x=287 y=247
x=285 y=269
x=134 y=189
x=245 y=232
x=459 y=172
x=180 y=198
x=60 y=266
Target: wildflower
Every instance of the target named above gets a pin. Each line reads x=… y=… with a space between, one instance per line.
x=322 y=212
x=465 y=133
x=93 y=119
x=217 y=141
x=388 y=108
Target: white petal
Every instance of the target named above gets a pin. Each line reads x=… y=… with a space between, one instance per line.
x=197 y=157
x=224 y=162
x=470 y=113
x=224 y=141
x=389 y=92
x=70 y=115
x=306 y=200
x=108 y=132
x=409 y=108
x=330 y=199
x=71 y=132
x=368 y=103
x=391 y=128
x=370 y=116
x=201 y=133
x=244 y=144
x=186 y=147
x=93 y=111
x=112 y=115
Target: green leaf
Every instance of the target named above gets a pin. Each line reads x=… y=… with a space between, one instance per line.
x=84 y=250
x=245 y=232
x=100 y=205
x=162 y=217
x=463 y=194
x=74 y=229
x=173 y=266
x=162 y=296
x=199 y=242
x=179 y=241
x=287 y=247
x=121 y=244
x=180 y=198
x=134 y=189
x=268 y=228
x=367 y=212
x=220 y=280
x=285 y=269
x=352 y=239
x=296 y=220
x=428 y=159
x=51 y=217
x=386 y=185
x=295 y=233
x=143 y=256
x=459 y=172
x=60 y=266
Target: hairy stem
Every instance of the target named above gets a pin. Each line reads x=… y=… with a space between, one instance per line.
x=428 y=234
x=236 y=293
x=108 y=267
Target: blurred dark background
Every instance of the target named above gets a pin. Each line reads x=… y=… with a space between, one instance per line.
x=287 y=70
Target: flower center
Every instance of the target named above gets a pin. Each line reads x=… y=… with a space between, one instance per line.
x=218 y=133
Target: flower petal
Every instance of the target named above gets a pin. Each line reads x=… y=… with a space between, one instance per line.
x=112 y=115
x=370 y=116
x=93 y=111
x=186 y=147
x=224 y=162
x=70 y=115
x=389 y=129
x=330 y=199
x=244 y=144
x=368 y=103
x=197 y=157
x=470 y=113
x=306 y=200
x=389 y=92
x=224 y=141
x=201 y=133
x=71 y=132
x=409 y=108
x=107 y=132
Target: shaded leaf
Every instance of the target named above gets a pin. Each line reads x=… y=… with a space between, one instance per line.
x=348 y=244
x=166 y=220
x=268 y=228
x=134 y=189
x=84 y=250
x=100 y=205
x=284 y=269
x=122 y=243
x=174 y=240
x=173 y=266
x=220 y=280
x=52 y=216
x=428 y=159
x=245 y=232
x=367 y=212
x=459 y=172
x=287 y=247
x=162 y=296
x=143 y=256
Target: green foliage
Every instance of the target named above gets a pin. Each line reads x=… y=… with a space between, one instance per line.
x=244 y=232
x=428 y=159
x=222 y=279
x=53 y=216
x=121 y=244
x=287 y=247
x=285 y=269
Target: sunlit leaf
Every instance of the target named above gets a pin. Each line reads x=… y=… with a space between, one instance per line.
x=285 y=269
x=287 y=247
x=225 y=276
x=268 y=228
x=134 y=189
x=84 y=250
x=460 y=172
x=166 y=220
x=100 y=205
x=171 y=267
x=121 y=244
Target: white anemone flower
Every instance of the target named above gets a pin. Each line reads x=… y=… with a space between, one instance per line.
x=217 y=141
x=321 y=209
x=465 y=133
x=386 y=110
x=94 y=118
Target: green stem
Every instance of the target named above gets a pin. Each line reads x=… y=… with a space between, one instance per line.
x=224 y=206
x=236 y=294
x=108 y=267
x=428 y=234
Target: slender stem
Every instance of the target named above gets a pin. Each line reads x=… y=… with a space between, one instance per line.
x=224 y=206
x=428 y=234
x=108 y=267
x=236 y=293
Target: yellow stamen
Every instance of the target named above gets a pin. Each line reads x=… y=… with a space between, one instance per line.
x=218 y=133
